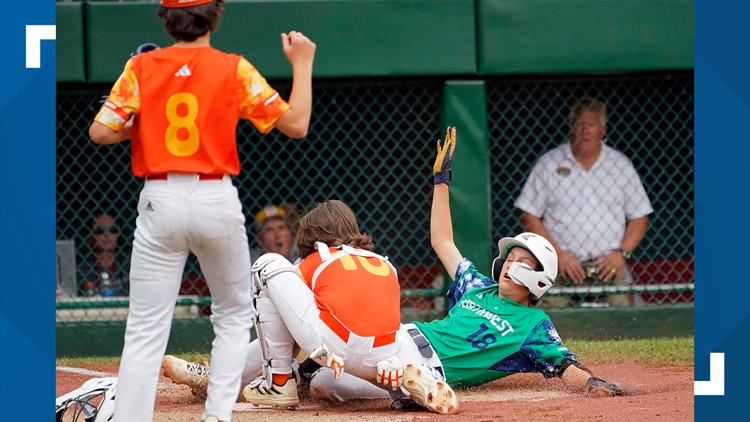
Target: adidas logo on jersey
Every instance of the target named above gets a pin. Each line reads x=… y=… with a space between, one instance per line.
x=184 y=71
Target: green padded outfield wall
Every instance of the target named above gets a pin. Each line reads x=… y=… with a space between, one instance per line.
x=404 y=37
x=550 y=36
x=70 y=46
x=354 y=38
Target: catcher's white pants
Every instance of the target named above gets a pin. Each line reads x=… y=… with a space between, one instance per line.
x=176 y=216
x=287 y=297
x=325 y=386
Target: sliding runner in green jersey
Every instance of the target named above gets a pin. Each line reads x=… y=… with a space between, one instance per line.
x=492 y=329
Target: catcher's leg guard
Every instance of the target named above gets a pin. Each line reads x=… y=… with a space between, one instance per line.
x=275 y=340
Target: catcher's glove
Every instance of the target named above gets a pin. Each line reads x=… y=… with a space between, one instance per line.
x=144 y=48
x=442 y=168
x=601 y=388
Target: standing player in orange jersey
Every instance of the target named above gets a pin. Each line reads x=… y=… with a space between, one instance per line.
x=185 y=102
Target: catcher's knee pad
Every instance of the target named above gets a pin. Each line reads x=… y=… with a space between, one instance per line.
x=268 y=266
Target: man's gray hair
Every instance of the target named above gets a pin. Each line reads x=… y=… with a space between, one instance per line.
x=585 y=104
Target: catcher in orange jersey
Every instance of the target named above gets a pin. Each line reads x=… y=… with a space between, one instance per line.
x=344 y=310
x=180 y=105
x=340 y=304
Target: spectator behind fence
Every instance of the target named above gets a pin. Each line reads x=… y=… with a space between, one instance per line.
x=588 y=200
x=104 y=271
x=274 y=233
x=293 y=214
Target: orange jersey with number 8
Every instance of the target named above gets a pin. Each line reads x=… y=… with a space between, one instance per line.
x=187 y=102
x=362 y=292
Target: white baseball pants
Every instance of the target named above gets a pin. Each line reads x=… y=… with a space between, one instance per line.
x=176 y=216
x=324 y=385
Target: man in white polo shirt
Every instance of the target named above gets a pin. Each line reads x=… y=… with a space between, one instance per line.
x=588 y=200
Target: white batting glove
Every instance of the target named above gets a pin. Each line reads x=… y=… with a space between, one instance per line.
x=331 y=360
x=390 y=373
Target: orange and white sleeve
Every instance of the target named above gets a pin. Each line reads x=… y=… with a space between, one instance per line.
x=124 y=100
x=259 y=102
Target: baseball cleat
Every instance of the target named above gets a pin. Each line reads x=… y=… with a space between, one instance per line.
x=278 y=396
x=431 y=393
x=194 y=375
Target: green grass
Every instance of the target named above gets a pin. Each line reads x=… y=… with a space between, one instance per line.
x=658 y=351
x=664 y=351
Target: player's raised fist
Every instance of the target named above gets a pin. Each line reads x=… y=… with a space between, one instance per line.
x=298 y=49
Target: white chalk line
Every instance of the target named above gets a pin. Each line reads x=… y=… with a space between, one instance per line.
x=98 y=374
x=84 y=371
x=247 y=407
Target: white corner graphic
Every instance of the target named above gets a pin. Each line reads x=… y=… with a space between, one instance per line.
x=34 y=36
x=715 y=385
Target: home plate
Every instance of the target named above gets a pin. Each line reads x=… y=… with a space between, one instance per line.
x=247 y=407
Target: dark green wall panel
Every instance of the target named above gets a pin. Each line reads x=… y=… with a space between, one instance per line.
x=113 y=31
x=106 y=338
x=70 y=47
x=540 y=36
x=465 y=107
x=354 y=38
x=420 y=37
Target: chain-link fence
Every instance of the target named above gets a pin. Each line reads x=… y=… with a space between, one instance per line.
x=371 y=144
x=650 y=120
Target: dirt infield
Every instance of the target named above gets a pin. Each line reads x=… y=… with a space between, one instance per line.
x=655 y=393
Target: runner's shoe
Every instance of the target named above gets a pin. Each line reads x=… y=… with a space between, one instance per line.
x=194 y=375
x=431 y=393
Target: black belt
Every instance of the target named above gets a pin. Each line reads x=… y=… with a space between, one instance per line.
x=424 y=346
x=425 y=349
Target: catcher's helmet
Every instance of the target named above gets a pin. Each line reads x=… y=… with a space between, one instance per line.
x=538 y=282
x=94 y=401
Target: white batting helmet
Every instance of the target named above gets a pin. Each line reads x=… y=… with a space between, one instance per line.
x=538 y=282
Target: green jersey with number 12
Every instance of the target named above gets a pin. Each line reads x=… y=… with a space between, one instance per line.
x=486 y=337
